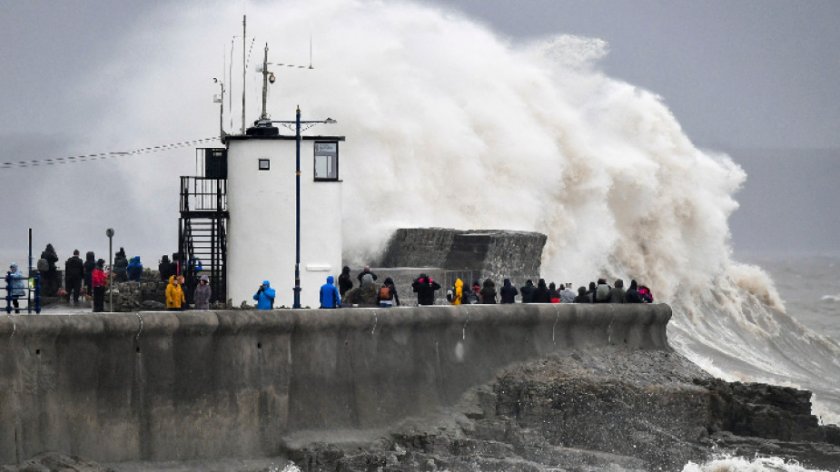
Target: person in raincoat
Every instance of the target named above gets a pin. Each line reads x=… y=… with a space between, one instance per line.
x=202 y=293
x=330 y=298
x=508 y=292
x=265 y=296
x=174 y=294
x=134 y=269
x=99 y=280
x=89 y=266
x=458 y=292
x=17 y=286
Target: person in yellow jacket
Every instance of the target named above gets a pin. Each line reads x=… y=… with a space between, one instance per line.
x=174 y=294
x=458 y=294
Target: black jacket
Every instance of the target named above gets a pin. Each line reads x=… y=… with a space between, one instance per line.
x=74 y=268
x=345 y=283
x=632 y=296
x=527 y=292
x=425 y=289
x=541 y=294
x=488 y=295
x=508 y=293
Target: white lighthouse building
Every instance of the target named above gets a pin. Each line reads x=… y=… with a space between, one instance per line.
x=262 y=197
x=266 y=207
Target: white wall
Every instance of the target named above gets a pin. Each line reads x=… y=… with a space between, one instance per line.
x=261 y=235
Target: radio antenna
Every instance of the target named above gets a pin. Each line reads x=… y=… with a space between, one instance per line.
x=244 y=41
x=230 y=85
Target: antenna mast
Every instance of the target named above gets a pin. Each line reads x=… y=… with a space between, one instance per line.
x=244 y=40
x=266 y=78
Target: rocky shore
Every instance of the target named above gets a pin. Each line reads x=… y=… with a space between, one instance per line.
x=607 y=409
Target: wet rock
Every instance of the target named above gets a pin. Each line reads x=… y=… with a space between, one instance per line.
x=53 y=461
x=594 y=410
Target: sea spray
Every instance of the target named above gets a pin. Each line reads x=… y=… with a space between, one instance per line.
x=449 y=124
x=740 y=464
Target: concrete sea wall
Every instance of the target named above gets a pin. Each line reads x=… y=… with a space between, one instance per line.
x=174 y=386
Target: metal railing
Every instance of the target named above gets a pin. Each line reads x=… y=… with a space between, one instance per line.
x=202 y=194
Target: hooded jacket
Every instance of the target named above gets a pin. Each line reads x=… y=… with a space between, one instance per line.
x=527 y=292
x=201 y=294
x=98 y=278
x=330 y=298
x=345 y=282
x=51 y=257
x=425 y=288
x=134 y=269
x=541 y=294
x=508 y=292
x=265 y=296
x=488 y=293
x=18 y=282
x=458 y=295
x=90 y=264
x=74 y=268
x=174 y=294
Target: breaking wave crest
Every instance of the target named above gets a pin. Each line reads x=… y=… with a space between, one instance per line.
x=449 y=124
x=740 y=464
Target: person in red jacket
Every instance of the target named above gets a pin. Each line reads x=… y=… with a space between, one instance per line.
x=99 y=281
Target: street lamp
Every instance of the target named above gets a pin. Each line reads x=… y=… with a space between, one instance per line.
x=298 y=124
x=110 y=233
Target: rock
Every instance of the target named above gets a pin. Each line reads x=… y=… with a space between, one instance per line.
x=53 y=461
x=607 y=409
x=152 y=305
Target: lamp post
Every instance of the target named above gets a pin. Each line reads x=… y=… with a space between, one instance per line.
x=110 y=233
x=297 y=124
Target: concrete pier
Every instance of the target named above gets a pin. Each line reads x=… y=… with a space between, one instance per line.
x=189 y=385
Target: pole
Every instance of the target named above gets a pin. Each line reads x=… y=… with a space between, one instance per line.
x=244 y=40
x=264 y=115
x=28 y=276
x=222 y=112
x=297 y=209
x=110 y=233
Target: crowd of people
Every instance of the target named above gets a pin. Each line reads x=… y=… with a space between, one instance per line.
x=600 y=292
x=90 y=278
x=368 y=293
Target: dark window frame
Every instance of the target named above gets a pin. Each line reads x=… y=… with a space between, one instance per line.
x=262 y=161
x=314 y=157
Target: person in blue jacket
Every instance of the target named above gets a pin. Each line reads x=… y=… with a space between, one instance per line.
x=134 y=269
x=17 y=288
x=265 y=296
x=330 y=298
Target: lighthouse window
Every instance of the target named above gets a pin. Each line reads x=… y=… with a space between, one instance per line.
x=264 y=164
x=326 y=160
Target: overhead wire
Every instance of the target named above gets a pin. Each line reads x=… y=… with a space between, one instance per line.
x=103 y=155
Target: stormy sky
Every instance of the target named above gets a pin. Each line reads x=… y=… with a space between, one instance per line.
x=758 y=80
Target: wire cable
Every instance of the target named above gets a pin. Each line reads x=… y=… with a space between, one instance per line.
x=104 y=155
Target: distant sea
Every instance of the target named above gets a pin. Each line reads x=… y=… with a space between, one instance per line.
x=809 y=286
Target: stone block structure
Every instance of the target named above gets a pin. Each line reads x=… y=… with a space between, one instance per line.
x=446 y=253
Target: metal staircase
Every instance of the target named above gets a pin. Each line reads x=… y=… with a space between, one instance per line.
x=202 y=231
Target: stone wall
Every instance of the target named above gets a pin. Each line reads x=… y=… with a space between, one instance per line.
x=496 y=254
x=176 y=386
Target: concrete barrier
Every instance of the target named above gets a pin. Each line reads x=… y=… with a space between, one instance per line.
x=175 y=386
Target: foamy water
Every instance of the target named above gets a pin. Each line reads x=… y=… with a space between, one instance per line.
x=739 y=464
x=450 y=125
